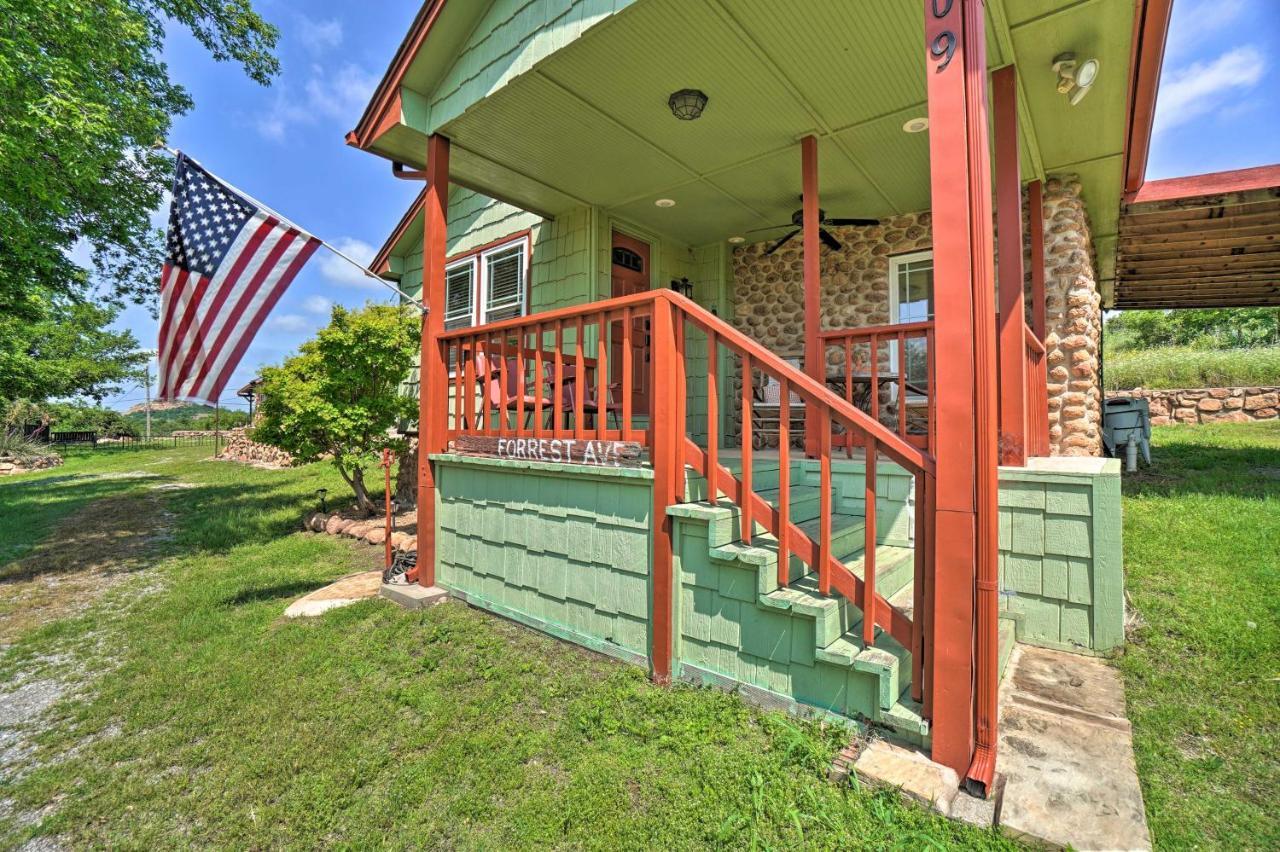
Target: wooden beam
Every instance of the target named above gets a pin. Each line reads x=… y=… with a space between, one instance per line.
x=433 y=387
x=1011 y=336
x=960 y=636
x=1035 y=218
x=814 y=354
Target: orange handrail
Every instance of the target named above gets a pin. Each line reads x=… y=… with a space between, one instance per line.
x=532 y=372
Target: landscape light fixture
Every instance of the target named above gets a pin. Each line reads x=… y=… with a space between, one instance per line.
x=324 y=506
x=1075 y=79
x=687 y=104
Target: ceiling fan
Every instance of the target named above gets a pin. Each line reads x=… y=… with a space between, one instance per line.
x=797 y=223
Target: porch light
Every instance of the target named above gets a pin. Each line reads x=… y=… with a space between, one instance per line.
x=919 y=124
x=687 y=104
x=1075 y=79
x=737 y=240
x=665 y=202
x=683 y=287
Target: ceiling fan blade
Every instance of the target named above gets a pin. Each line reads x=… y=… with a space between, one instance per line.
x=768 y=228
x=852 y=222
x=832 y=242
x=780 y=242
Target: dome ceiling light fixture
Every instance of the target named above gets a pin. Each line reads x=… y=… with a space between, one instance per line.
x=665 y=202
x=919 y=124
x=687 y=104
x=1075 y=79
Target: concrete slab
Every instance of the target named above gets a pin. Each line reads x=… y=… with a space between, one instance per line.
x=1067 y=754
x=886 y=764
x=414 y=596
x=344 y=592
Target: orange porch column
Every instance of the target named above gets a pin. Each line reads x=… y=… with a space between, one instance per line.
x=433 y=375
x=814 y=357
x=1014 y=441
x=955 y=61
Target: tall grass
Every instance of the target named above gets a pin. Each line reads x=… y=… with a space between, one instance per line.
x=1185 y=367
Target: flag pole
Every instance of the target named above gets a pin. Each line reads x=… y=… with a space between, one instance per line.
x=368 y=272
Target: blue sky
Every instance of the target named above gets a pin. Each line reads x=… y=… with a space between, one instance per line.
x=284 y=144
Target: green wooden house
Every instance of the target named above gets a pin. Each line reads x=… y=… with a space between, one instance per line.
x=763 y=344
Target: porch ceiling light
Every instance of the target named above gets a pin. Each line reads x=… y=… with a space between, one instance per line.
x=665 y=202
x=1075 y=79
x=919 y=124
x=737 y=240
x=687 y=104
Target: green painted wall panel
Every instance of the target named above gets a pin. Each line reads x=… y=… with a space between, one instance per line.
x=570 y=550
x=1060 y=563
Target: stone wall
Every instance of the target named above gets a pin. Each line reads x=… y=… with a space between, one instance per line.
x=1073 y=320
x=1208 y=405
x=768 y=295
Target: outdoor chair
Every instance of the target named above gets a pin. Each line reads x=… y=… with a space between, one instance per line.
x=489 y=374
x=591 y=402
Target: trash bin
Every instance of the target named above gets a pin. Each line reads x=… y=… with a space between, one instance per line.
x=1126 y=421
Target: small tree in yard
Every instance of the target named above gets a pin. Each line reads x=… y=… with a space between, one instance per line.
x=340 y=395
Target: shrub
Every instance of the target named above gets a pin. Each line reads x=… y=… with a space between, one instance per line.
x=1186 y=367
x=15 y=445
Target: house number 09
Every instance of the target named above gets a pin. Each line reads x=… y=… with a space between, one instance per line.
x=944 y=43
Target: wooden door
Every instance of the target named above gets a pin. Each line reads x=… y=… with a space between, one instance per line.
x=630 y=274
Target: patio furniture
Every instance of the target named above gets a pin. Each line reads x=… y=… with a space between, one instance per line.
x=590 y=400
x=489 y=376
x=766 y=413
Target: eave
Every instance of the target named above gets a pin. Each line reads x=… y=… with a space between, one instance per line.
x=383 y=109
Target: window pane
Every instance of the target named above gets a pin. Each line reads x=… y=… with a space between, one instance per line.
x=915 y=291
x=504 y=282
x=459 y=289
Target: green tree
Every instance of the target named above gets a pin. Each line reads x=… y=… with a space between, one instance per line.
x=340 y=395
x=1206 y=328
x=68 y=350
x=83 y=97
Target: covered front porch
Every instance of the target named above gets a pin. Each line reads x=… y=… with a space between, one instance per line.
x=601 y=271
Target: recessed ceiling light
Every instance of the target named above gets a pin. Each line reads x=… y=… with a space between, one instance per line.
x=665 y=202
x=737 y=240
x=916 y=125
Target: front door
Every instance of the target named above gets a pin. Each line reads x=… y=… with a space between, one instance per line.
x=630 y=274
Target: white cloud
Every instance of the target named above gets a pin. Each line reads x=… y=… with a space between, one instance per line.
x=340 y=271
x=339 y=94
x=290 y=322
x=1194 y=21
x=319 y=36
x=318 y=305
x=1203 y=87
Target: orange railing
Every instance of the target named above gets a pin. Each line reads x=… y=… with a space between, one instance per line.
x=1036 y=399
x=617 y=370
x=886 y=360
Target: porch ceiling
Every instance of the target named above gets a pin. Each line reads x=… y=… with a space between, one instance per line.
x=590 y=124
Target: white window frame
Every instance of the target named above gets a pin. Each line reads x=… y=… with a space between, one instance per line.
x=477 y=260
x=449 y=267
x=896 y=262
x=482 y=290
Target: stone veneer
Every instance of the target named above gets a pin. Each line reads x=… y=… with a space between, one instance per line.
x=1073 y=320
x=768 y=302
x=1208 y=405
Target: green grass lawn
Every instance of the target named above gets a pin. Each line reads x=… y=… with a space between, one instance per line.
x=204 y=719
x=1202 y=671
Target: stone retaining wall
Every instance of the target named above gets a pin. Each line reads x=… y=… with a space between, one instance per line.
x=1208 y=405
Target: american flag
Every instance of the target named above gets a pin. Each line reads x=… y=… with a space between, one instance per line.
x=228 y=263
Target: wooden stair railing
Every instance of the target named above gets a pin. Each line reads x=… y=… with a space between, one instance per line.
x=831 y=409
x=598 y=344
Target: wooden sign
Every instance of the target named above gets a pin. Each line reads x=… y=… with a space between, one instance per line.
x=590 y=452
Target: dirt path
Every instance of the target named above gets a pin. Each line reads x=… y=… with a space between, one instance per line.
x=89 y=552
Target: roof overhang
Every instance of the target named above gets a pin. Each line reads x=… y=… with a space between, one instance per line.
x=1207 y=241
